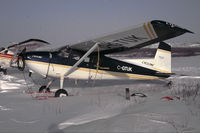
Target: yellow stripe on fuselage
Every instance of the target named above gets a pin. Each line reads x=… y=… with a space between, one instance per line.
x=99 y=71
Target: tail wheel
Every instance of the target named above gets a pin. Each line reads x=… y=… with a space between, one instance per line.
x=61 y=93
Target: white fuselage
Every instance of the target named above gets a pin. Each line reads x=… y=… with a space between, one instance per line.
x=56 y=70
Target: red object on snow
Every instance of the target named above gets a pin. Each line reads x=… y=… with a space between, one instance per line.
x=177 y=97
x=167 y=98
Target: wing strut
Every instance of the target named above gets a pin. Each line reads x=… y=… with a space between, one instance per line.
x=74 y=67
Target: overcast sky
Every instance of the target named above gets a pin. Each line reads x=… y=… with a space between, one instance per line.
x=68 y=21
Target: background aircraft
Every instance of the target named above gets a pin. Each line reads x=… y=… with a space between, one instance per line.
x=88 y=59
x=8 y=56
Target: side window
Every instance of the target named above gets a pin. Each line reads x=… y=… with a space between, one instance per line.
x=75 y=56
x=64 y=53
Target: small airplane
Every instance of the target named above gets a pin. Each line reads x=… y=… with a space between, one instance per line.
x=89 y=60
x=8 y=56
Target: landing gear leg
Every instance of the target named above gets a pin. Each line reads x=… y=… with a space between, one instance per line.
x=46 y=87
x=169 y=84
x=61 y=92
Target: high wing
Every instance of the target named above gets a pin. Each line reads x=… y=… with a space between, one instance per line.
x=30 y=45
x=133 y=37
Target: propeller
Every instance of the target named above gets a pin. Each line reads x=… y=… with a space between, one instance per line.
x=20 y=60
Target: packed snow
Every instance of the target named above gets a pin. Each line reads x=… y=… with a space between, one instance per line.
x=101 y=105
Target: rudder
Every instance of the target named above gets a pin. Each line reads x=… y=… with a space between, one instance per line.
x=163 y=58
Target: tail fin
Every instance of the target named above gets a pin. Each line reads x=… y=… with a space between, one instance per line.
x=163 y=58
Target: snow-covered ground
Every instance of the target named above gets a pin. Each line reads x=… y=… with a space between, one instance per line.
x=101 y=106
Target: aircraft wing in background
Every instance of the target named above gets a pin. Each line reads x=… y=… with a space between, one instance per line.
x=30 y=45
